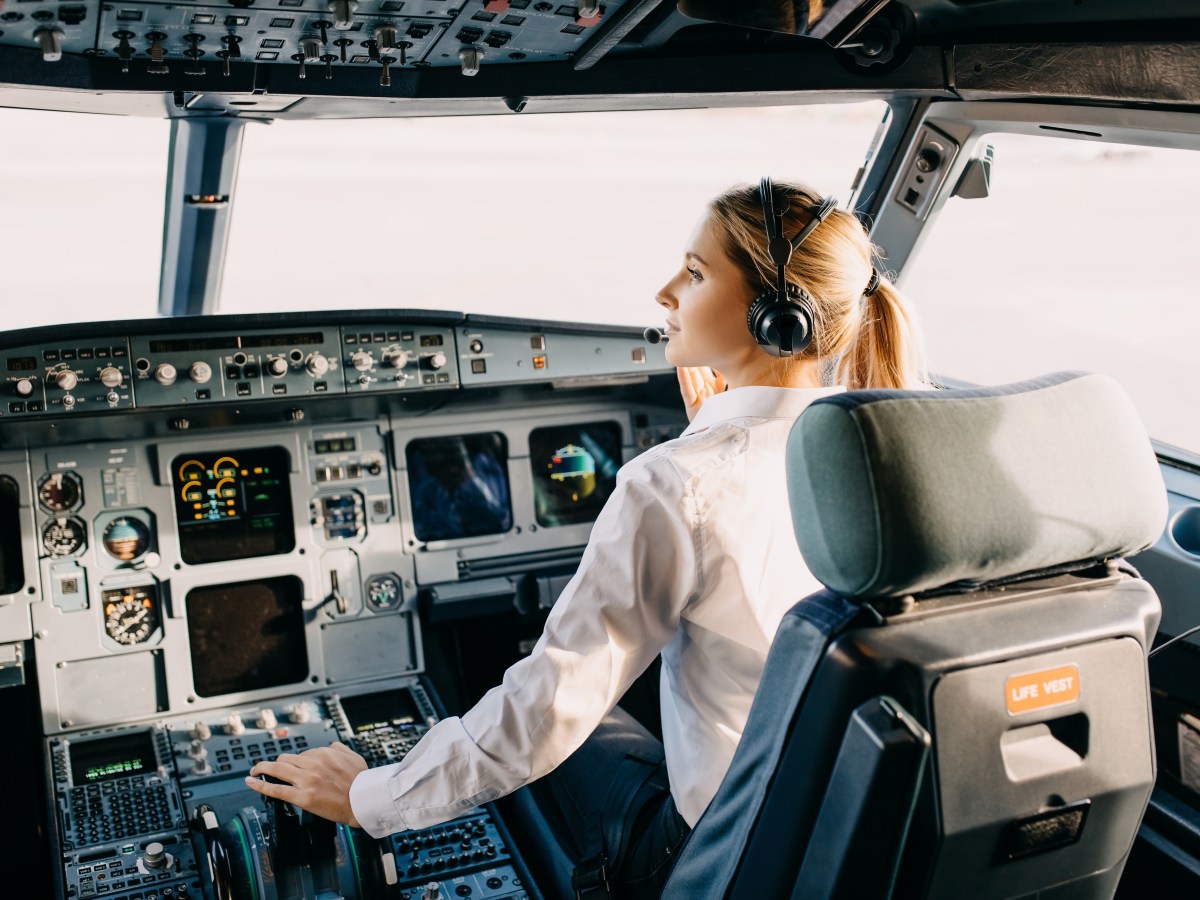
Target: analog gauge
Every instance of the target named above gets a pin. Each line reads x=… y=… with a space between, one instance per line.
x=59 y=491
x=64 y=536
x=130 y=614
x=126 y=538
x=383 y=591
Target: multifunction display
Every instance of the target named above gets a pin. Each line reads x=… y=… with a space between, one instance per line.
x=114 y=757
x=459 y=486
x=574 y=470
x=233 y=505
x=385 y=709
x=247 y=636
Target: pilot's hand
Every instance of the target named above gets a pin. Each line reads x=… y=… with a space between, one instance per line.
x=697 y=384
x=317 y=780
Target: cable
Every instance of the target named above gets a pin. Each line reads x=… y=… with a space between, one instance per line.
x=1178 y=637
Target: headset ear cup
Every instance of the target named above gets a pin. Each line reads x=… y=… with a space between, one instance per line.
x=781 y=326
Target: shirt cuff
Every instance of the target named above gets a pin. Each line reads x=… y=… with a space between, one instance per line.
x=371 y=802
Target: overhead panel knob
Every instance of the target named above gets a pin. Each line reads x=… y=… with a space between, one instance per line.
x=310 y=49
x=385 y=37
x=317 y=364
x=165 y=374
x=200 y=372
x=66 y=379
x=362 y=360
x=438 y=360
x=397 y=359
x=470 y=57
x=50 y=40
x=277 y=366
x=343 y=12
x=110 y=376
x=24 y=387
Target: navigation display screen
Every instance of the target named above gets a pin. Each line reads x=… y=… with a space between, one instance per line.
x=247 y=636
x=114 y=757
x=386 y=709
x=459 y=486
x=574 y=470
x=233 y=505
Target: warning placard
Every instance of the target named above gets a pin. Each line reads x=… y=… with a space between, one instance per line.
x=1038 y=690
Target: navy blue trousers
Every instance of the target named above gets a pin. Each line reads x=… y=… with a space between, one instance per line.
x=613 y=795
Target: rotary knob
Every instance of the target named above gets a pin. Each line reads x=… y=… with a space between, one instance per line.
x=266 y=718
x=234 y=724
x=197 y=750
x=156 y=857
x=110 y=376
x=277 y=366
x=200 y=731
x=438 y=360
x=397 y=359
x=68 y=402
x=316 y=364
x=200 y=372
x=66 y=379
x=24 y=387
x=165 y=374
x=362 y=361
x=300 y=713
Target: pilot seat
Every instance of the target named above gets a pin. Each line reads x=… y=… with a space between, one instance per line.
x=964 y=711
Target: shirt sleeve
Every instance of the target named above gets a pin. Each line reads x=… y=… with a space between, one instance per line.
x=624 y=604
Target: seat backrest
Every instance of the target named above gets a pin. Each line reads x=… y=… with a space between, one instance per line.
x=964 y=712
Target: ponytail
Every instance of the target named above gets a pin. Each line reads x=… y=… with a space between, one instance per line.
x=886 y=351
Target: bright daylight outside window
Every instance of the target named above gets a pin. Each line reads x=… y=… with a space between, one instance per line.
x=1079 y=259
x=578 y=217
x=81 y=235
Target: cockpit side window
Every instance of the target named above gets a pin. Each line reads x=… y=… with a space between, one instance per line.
x=1082 y=257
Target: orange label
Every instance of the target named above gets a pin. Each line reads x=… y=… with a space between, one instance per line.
x=1037 y=690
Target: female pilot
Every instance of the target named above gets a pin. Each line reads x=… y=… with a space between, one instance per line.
x=693 y=557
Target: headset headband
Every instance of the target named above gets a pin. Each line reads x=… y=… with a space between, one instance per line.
x=779 y=247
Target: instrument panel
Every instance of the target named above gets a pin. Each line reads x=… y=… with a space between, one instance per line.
x=199 y=598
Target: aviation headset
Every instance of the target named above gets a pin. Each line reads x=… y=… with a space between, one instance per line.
x=781 y=317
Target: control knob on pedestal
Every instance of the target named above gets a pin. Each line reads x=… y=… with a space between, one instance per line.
x=155 y=856
x=200 y=731
x=433 y=891
x=266 y=718
x=233 y=724
x=110 y=376
x=200 y=372
x=316 y=364
x=165 y=374
x=300 y=713
x=66 y=379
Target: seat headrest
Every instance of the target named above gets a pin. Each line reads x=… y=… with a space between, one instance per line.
x=898 y=492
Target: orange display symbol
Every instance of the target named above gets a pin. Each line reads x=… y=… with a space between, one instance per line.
x=1038 y=690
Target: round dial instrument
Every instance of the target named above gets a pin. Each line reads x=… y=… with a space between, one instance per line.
x=64 y=536
x=126 y=538
x=130 y=614
x=59 y=491
x=383 y=591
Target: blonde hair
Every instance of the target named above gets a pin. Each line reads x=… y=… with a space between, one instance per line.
x=868 y=340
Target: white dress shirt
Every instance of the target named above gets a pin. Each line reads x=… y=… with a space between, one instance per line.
x=694 y=557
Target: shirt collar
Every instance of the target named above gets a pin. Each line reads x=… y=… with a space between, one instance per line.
x=757 y=402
